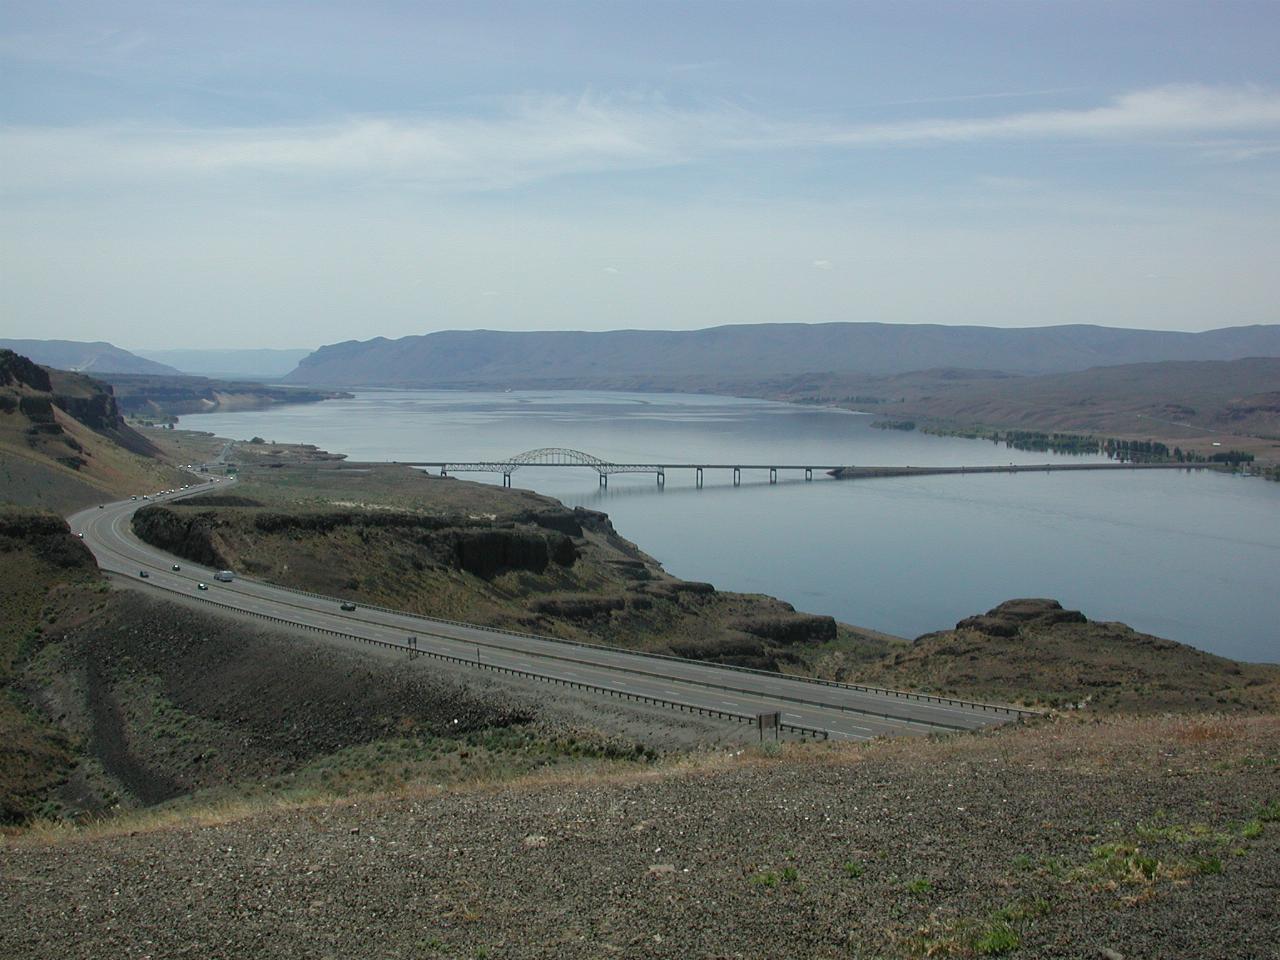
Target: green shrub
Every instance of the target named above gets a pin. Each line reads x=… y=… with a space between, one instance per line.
x=997 y=939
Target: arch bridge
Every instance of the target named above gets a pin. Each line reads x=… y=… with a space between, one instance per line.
x=565 y=457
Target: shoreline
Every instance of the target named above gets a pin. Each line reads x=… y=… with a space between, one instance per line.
x=941 y=610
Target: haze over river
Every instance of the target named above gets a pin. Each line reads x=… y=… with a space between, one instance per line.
x=1192 y=556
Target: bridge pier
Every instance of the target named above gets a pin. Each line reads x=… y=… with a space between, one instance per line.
x=506 y=479
x=737 y=476
x=444 y=471
x=604 y=479
x=808 y=473
x=662 y=479
x=698 y=478
x=773 y=474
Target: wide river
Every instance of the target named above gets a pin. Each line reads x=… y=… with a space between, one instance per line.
x=1193 y=556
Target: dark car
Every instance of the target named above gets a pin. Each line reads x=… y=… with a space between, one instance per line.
x=176 y=567
x=348 y=606
x=202 y=586
x=143 y=574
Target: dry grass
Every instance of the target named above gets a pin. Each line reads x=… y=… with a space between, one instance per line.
x=46 y=832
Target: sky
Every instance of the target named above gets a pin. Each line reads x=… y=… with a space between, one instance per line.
x=274 y=174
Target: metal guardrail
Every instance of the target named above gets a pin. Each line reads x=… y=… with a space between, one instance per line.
x=973 y=705
x=843 y=708
x=804 y=732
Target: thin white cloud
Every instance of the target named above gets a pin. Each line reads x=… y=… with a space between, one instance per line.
x=1162 y=111
x=822 y=264
x=537 y=138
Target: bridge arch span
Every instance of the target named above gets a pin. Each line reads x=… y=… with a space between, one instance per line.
x=559 y=457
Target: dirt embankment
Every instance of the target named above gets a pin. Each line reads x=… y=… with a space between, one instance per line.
x=172 y=700
x=1146 y=838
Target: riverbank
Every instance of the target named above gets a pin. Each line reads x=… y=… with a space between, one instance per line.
x=1127 y=545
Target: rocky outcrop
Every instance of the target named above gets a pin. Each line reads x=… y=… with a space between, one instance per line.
x=482 y=549
x=576 y=606
x=739 y=649
x=44 y=536
x=191 y=536
x=788 y=628
x=329 y=521
x=488 y=553
x=17 y=370
x=1010 y=617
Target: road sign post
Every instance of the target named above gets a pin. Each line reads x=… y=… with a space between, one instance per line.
x=768 y=720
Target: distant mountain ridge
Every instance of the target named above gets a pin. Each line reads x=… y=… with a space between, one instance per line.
x=85 y=357
x=229 y=363
x=657 y=358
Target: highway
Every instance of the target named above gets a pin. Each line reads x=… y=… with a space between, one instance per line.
x=805 y=707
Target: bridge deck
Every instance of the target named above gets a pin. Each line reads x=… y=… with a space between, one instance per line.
x=496 y=464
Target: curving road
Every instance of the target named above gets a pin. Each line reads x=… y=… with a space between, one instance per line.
x=805 y=706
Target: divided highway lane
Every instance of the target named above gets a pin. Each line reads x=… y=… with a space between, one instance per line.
x=843 y=712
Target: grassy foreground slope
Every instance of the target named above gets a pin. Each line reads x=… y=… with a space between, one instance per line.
x=1132 y=838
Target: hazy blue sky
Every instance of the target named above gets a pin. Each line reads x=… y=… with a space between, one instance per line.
x=290 y=174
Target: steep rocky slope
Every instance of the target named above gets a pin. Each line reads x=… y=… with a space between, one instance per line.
x=64 y=443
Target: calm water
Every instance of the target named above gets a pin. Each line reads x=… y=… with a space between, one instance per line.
x=1190 y=556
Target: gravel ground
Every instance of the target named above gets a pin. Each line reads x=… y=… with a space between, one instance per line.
x=1139 y=838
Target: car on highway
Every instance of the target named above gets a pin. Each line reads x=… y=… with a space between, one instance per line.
x=348 y=606
x=176 y=568
x=80 y=535
x=202 y=586
x=143 y=574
